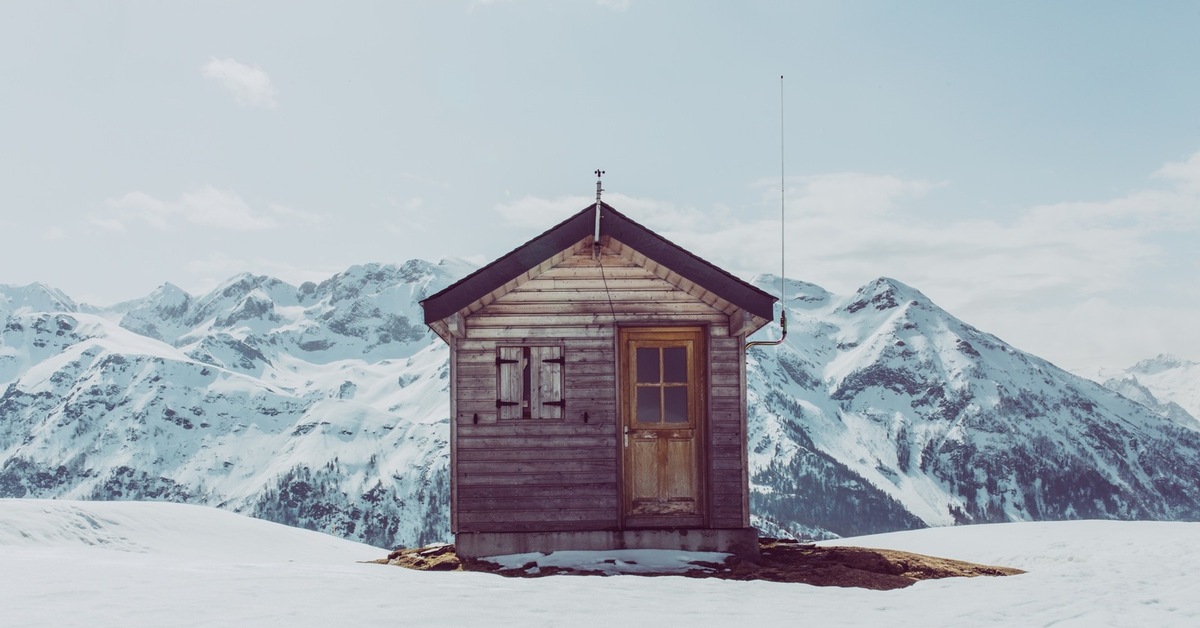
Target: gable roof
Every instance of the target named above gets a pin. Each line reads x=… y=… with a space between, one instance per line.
x=569 y=232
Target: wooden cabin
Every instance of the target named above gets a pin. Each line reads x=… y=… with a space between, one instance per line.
x=598 y=394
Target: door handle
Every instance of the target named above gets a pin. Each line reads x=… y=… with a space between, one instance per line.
x=626 y=430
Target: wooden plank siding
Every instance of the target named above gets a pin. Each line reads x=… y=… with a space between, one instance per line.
x=727 y=434
x=452 y=341
x=562 y=474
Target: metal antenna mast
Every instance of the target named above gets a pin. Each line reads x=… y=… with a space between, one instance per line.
x=596 y=234
x=782 y=235
x=782 y=215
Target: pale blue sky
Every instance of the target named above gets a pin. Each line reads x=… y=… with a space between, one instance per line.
x=1034 y=167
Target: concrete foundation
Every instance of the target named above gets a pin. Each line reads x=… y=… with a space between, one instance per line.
x=742 y=542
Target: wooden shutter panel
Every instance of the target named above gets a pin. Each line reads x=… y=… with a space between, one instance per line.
x=508 y=382
x=548 y=366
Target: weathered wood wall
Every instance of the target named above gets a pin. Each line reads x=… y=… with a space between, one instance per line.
x=563 y=474
x=727 y=453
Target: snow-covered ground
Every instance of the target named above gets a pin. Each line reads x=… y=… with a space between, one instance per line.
x=102 y=564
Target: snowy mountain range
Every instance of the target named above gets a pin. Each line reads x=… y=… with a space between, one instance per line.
x=1165 y=383
x=883 y=410
x=325 y=406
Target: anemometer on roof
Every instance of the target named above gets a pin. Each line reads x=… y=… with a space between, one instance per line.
x=782 y=233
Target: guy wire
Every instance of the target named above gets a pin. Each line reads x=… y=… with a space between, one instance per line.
x=607 y=292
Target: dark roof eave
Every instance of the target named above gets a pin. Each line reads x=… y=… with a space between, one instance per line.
x=467 y=290
x=692 y=267
x=614 y=224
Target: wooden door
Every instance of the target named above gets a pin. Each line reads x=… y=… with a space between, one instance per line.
x=662 y=408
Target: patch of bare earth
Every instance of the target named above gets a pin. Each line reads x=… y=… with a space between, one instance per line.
x=780 y=560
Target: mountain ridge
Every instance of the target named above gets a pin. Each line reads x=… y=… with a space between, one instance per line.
x=325 y=405
x=1166 y=383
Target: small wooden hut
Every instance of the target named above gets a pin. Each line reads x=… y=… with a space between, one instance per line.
x=598 y=394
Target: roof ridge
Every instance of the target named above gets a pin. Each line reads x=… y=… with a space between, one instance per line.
x=568 y=233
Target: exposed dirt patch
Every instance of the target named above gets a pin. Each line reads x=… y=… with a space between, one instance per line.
x=780 y=561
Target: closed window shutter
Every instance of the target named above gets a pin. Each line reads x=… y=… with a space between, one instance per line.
x=508 y=388
x=548 y=402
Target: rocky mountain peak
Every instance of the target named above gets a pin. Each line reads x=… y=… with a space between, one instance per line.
x=797 y=293
x=170 y=301
x=1161 y=362
x=884 y=294
x=34 y=297
x=169 y=293
x=1163 y=382
x=238 y=286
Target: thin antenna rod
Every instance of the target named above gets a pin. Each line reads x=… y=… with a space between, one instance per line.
x=782 y=235
x=596 y=234
x=782 y=213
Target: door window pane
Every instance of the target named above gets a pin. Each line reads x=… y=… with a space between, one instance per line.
x=675 y=404
x=675 y=364
x=649 y=404
x=647 y=364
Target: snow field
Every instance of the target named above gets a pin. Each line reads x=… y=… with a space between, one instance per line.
x=104 y=564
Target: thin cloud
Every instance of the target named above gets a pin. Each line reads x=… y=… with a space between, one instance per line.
x=845 y=229
x=1082 y=331
x=114 y=225
x=1004 y=273
x=619 y=6
x=209 y=272
x=533 y=211
x=217 y=264
x=852 y=228
x=1185 y=174
x=293 y=216
x=207 y=206
x=475 y=4
x=423 y=179
x=411 y=216
x=844 y=194
x=536 y=212
x=135 y=206
x=222 y=209
x=250 y=85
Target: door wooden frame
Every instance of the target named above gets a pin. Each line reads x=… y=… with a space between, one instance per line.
x=699 y=392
